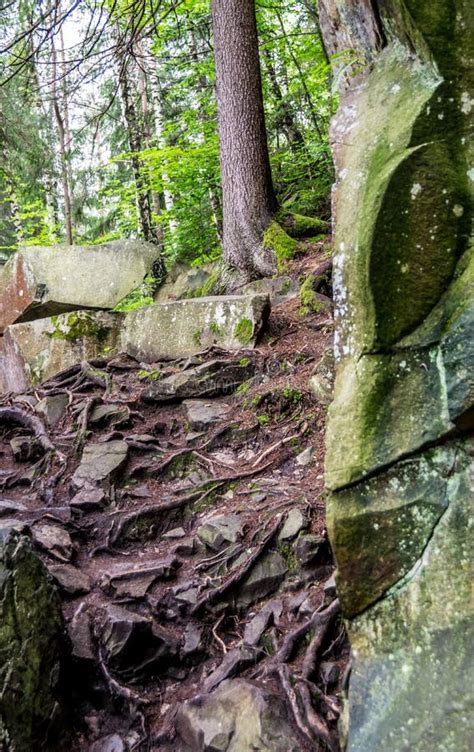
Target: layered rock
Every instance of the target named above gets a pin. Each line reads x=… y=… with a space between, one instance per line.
x=173 y=330
x=44 y=281
x=30 y=646
x=399 y=461
x=37 y=350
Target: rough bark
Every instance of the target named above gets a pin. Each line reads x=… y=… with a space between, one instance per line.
x=248 y=197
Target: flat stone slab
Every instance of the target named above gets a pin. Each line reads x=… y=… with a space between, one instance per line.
x=37 y=350
x=99 y=463
x=202 y=414
x=42 y=281
x=210 y=379
x=172 y=330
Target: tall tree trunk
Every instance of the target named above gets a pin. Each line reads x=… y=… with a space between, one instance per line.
x=135 y=143
x=248 y=197
x=63 y=155
x=5 y=164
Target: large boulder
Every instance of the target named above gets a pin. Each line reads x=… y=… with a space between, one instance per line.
x=236 y=717
x=172 y=330
x=398 y=465
x=37 y=350
x=43 y=281
x=30 y=646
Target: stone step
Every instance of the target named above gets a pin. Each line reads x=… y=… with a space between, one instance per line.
x=173 y=330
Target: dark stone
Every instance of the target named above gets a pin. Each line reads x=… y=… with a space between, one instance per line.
x=135 y=583
x=70 y=579
x=55 y=540
x=210 y=379
x=308 y=549
x=233 y=663
x=80 y=634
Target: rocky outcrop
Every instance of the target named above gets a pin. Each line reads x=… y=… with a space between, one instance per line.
x=37 y=350
x=173 y=330
x=399 y=461
x=30 y=646
x=44 y=281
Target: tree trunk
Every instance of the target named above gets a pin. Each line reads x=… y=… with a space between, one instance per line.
x=248 y=197
x=63 y=155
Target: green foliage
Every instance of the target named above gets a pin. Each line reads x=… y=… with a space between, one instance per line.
x=75 y=326
x=263 y=419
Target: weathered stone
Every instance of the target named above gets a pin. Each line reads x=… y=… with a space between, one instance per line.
x=322 y=377
x=305 y=457
x=52 y=408
x=266 y=576
x=70 y=579
x=379 y=527
x=413 y=649
x=37 y=350
x=234 y=662
x=308 y=548
x=100 y=463
x=40 y=281
x=183 y=282
x=192 y=640
x=278 y=289
x=404 y=314
x=53 y=539
x=255 y=628
x=10 y=506
x=236 y=717
x=173 y=330
x=294 y=524
x=211 y=379
x=111 y=414
x=135 y=583
x=88 y=499
x=216 y=531
x=30 y=647
x=80 y=634
x=201 y=414
x=134 y=645
x=111 y=743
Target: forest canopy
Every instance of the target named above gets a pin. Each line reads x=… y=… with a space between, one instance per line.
x=108 y=121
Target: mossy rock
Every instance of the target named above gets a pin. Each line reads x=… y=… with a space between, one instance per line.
x=277 y=240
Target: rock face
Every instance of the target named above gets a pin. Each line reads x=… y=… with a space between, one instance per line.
x=42 y=281
x=173 y=330
x=30 y=646
x=399 y=461
x=37 y=350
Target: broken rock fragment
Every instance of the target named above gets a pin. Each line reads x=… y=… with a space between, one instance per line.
x=210 y=379
x=43 y=281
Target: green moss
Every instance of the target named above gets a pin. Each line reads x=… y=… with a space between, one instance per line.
x=215 y=328
x=301 y=226
x=308 y=298
x=293 y=395
x=244 y=362
x=263 y=419
x=197 y=337
x=286 y=550
x=278 y=240
x=153 y=375
x=77 y=325
x=243 y=332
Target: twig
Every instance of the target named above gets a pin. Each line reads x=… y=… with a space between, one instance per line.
x=216 y=636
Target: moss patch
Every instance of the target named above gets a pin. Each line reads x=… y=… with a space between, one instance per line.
x=278 y=240
x=308 y=298
x=76 y=326
x=301 y=226
x=243 y=332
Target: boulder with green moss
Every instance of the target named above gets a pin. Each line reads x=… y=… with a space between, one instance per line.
x=173 y=330
x=31 y=634
x=37 y=350
x=399 y=462
x=42 y=281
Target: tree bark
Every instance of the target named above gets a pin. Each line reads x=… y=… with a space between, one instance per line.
x=249 y=201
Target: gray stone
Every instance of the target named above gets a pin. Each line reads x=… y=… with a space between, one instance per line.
x=100 y=463
x=134 y=645
x=44 y=281
x=53 y=539
x=322 y=377
x=183 y=282
x=10 y=506
x=111 y=743
x=70 y=579
x=201 y=415
x=211 y=379
x=294 y=524
x=175 y=533
x=305 y=457
x=192 y=640
x=255 y=628
x=236 y=717
x=80 y=634
x=307 y=548
x=110 y=414
x=38 y=350
x=279 y=289
x=174 y=330
x=52 y=408
x=234 y=662
x=266 y=576
x=88 y=499
x=135 y=583
x=217 y=531
x=31 y=645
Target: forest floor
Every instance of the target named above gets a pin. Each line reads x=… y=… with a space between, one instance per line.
x=205 y=516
